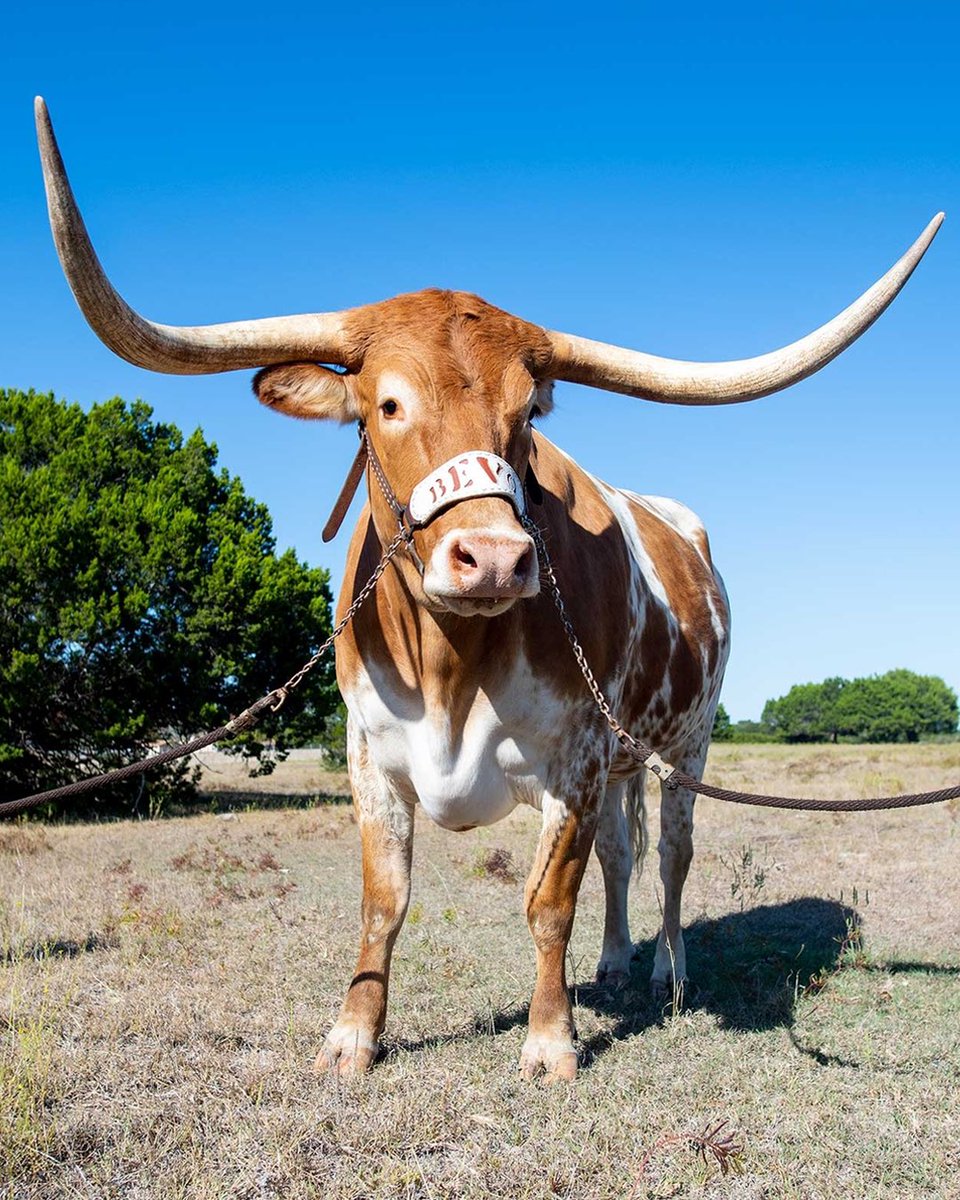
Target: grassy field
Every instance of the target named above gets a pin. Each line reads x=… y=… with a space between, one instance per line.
x=164 y=986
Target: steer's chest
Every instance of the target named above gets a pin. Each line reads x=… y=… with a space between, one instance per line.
x=471 y=754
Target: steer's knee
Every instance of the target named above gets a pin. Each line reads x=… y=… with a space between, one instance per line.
x=550 y=923
x=382 y=917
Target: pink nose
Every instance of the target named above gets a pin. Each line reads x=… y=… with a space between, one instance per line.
x=492 y=565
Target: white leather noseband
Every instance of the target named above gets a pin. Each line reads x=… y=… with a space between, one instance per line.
x=473 y=474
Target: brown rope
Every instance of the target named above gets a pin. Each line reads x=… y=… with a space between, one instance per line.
x=863 y=804
x=670 y=776
x=246 y=720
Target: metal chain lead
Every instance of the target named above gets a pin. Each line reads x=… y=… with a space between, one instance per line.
x=384 y=485
x=674 y=778
x=669 y=775
x=636 y=749
x=297 y=678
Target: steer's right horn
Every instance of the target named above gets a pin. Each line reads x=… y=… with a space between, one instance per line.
x=175 y=349
x=673 y=381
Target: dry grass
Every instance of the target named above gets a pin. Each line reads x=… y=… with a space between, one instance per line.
x=164 y=986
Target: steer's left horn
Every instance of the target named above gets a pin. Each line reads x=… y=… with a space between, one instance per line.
x=672 y=381
x=175 y=349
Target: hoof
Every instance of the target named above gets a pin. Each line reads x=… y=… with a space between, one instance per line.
x=612 y=976
x=612 y=981
x=664 y=993
x=553 y=1058
x=347 y=1051
x=613 y=969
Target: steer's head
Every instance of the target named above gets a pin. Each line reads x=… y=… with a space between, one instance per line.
x=432 y=376
x=437 y=377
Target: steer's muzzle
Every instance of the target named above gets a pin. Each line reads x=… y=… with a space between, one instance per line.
x=482 y=572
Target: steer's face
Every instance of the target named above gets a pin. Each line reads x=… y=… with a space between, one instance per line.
x=439 y=374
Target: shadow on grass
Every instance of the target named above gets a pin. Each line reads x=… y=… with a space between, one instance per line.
x=500 y=1020
x=911 y=968
x=747 y=969
x=57 y=948
x=250 y=801
x=86 y=811
x=750 y=968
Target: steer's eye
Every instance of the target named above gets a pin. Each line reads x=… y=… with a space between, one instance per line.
x=389 y=408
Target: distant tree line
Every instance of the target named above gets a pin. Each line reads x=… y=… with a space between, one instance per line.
x=899 y=706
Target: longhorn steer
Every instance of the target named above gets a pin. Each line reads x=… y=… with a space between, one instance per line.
x=462 y=693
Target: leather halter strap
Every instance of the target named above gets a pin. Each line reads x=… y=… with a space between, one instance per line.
x=347 y=492
x=367 y=456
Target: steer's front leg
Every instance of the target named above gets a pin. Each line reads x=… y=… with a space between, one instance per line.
x=386 y=834
x=551 y=897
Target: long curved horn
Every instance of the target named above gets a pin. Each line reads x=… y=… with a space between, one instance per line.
x=175 y=349
x=673 y=381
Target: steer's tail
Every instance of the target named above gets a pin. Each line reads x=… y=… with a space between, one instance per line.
x=636 y=812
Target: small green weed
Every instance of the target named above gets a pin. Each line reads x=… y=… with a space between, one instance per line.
x=851 y=952
x=748 y=876
x=497 y=863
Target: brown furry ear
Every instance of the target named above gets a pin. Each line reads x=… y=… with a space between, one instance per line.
x=544 y=397
x=308 y=391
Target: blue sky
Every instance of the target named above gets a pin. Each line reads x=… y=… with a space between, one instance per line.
x=708 y=184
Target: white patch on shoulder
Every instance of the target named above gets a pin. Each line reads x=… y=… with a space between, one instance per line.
x=720 y=622
x=682 y=519
x=689 y=526
x=618 y=501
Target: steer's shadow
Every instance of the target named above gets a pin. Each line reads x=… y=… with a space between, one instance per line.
x=747 y=968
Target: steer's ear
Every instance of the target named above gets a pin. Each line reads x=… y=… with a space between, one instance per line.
x=308 y=391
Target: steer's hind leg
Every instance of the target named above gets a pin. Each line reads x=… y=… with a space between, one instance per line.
x=616 y=861
x=676 y=854
x=551 y=896
x=386 y=834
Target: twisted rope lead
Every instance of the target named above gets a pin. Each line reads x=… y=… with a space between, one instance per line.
x=246 y=720
x=672 y=777
x=803 y=804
